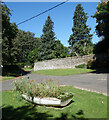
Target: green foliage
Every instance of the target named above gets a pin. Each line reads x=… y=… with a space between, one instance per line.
x=102 y=27
x=33 y=55
x=17 y=44
x=80 y=40
x=47 y=46
x=81 y=66
x=97 y=64
x=60 y=51
x=91 y=64
x=9 y=31
x=24 y=43
x=48 y=89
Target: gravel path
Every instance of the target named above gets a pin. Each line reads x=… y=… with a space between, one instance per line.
x=89 y=81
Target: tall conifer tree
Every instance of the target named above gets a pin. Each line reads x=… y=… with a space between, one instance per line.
x=80 y=40
x=47 y=46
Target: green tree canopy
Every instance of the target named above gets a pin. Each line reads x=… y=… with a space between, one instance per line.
x=102 y=27
x=24 y=43
x=80 y=40
x=33 y=56
x=47 y=46
x=60 y=51
x=9 y=31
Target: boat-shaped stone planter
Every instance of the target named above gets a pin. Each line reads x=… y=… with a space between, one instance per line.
x=49 y=101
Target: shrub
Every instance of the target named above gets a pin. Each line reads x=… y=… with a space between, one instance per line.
x=97 y=64
x=81 y=66
x=91 y=64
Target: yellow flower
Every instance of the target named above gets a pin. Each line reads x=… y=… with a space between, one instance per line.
x=22 y=78
x=14 y=80
x=10 y=91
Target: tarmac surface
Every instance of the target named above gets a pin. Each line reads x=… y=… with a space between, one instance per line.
x=88 y=81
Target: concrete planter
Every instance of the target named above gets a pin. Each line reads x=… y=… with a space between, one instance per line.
x=49 y=101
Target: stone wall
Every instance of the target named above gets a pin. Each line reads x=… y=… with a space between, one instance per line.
x=69 y=62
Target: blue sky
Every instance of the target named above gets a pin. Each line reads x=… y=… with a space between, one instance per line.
x=61 y=16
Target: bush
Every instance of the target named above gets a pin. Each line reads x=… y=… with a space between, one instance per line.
x=97 y=64
x=21 y=65
x=33 y=55
x=91 y=64
x=81 y=66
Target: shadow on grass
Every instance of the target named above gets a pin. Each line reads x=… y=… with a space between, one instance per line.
x=23 y=113
x=13 y=70
x=29 y=112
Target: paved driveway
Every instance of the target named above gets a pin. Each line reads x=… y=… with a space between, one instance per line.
x=89 y=81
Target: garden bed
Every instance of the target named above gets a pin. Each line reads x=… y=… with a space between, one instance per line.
x=48 y=93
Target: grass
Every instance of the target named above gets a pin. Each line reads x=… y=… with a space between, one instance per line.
x=63 y=72
x=85 y=105
x=6 y=78
x=27 y=69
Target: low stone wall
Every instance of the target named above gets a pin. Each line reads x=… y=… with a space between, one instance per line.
x=62 y=63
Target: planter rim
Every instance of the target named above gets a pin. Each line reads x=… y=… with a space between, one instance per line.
x=49 y=101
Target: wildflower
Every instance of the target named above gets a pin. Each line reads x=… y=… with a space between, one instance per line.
x=22 y=78
x=10 y=91
x=102 y=102
x=27 y=71
x=14 y=80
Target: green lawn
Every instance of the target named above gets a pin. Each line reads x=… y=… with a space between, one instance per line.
x=63 y=72
x=27 y=69
x=85 y=105
x=6 y=78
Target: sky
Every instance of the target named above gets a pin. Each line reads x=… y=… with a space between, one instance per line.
x=61 y=16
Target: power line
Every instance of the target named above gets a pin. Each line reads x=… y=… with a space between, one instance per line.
x=42 y=12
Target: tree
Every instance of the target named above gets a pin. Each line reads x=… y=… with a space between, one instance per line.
x=24 y=43
x=60 y=51
x=102 y=28
x=80 y=40
x=33 y=56
x=47 y=46
x=9 y=31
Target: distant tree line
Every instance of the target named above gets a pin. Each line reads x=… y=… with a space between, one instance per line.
x=20 y=47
